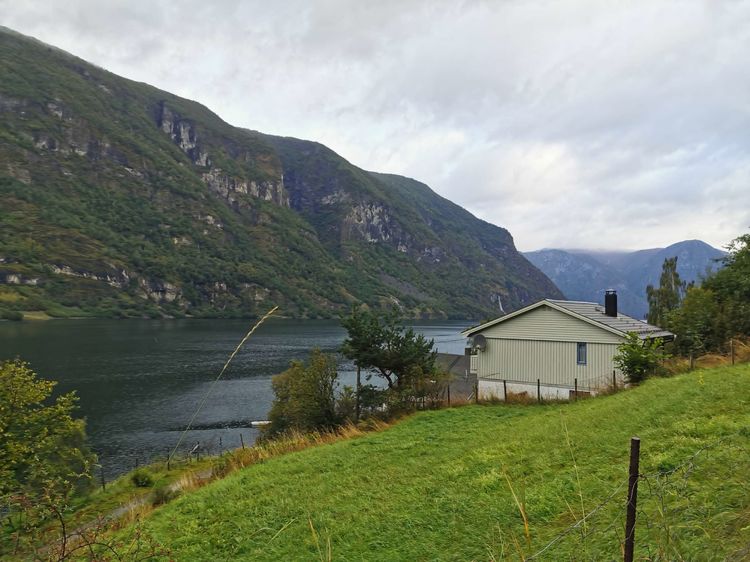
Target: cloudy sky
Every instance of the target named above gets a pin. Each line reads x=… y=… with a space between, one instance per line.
x=572 y=123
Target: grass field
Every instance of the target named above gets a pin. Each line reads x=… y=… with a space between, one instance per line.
x=458 y=484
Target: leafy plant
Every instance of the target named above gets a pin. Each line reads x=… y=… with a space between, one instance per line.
x=41 y=445
x=141 y=478
x=305 y=395
x=638 y=359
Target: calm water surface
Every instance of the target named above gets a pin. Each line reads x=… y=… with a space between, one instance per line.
x=140 y=381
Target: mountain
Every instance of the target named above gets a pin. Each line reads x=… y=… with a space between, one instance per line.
x=119 y=199
x=586 y=274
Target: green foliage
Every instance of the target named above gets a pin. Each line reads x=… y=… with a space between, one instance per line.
x=305 y=398
x=164 y=493
x=13 y=315
x=696 y=322
x=380 y=344
x=639 y=359
x=720 y=309
x=90 y=181
x=669 y=294
x=731 y=286
x=42 y=447
x=141 y=478
x=436 y=486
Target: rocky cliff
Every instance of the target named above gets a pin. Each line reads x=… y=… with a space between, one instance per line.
x=121 y=199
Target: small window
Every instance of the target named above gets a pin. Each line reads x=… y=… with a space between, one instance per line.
x=581 y=353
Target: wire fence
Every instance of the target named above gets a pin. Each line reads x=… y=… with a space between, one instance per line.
x=109 y=469
x=666 y=505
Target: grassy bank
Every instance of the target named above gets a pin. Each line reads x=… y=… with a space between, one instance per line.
x=460 y=484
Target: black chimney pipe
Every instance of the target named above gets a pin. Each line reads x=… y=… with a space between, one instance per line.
x=610 y=303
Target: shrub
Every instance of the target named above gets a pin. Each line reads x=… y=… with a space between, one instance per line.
x=13 y=315
x=638 y=359
x=141 y=479
x=163 y=494
x=305 y=395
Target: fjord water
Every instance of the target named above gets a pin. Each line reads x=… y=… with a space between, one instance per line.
x=140 y=381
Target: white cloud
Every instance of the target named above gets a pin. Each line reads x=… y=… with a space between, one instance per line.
x=576 y=124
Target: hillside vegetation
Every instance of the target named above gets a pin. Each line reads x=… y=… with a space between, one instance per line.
x=119 y=199
x=458 y=484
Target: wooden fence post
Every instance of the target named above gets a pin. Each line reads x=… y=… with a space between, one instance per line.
x=731 y=349
x=575 y=385
x=449 y=395
x=356 y=403
x=242 y=442
x=476 y=392
x=692 y=361
x=614 y=380
x=635 y=451
x=539 y=391
x=101 y=474
x=505 y=390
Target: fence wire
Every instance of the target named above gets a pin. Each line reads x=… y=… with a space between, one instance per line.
x=657 y=487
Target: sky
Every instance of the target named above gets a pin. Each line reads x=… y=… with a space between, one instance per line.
x=573 y=124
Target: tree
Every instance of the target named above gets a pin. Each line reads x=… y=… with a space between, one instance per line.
x=41 y=446
x=305 y=396
x=731 y=286
x=669 y=294
x=380 y=344
x=638 y=359
x=698 y=322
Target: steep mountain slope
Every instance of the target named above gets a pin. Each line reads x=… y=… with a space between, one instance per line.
x=121 y=199
x=694 y=259
x=585 y=275
x=581 y=277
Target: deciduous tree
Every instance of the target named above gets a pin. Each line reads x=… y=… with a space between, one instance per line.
x=668 y=296
x=305 y=395
x=41 y=445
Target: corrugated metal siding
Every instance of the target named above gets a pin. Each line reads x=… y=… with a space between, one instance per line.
x=547 y=324
x=473 y=364
x=553 y=362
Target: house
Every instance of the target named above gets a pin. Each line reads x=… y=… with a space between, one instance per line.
x=553 y=347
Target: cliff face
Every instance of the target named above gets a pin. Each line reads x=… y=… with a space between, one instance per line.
x=121 y=199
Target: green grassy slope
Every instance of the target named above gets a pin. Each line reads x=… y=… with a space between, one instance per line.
x=434 y=487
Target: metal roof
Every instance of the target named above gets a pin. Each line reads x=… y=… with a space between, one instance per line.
x=589 y=312
x=622 y=322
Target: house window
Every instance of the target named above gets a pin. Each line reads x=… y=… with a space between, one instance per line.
x=581 y=353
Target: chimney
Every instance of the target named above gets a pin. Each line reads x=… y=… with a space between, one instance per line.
x=610 y=303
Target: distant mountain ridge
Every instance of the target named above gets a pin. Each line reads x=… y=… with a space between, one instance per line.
x=586 y=274
x=119 y=199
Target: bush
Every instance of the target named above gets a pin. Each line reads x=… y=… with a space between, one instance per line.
x=141 y=479
x=638 y=359
x=163 y=494
x=13 y=315
x=305 y=396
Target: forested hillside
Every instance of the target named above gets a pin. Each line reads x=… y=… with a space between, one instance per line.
x=119 y=199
